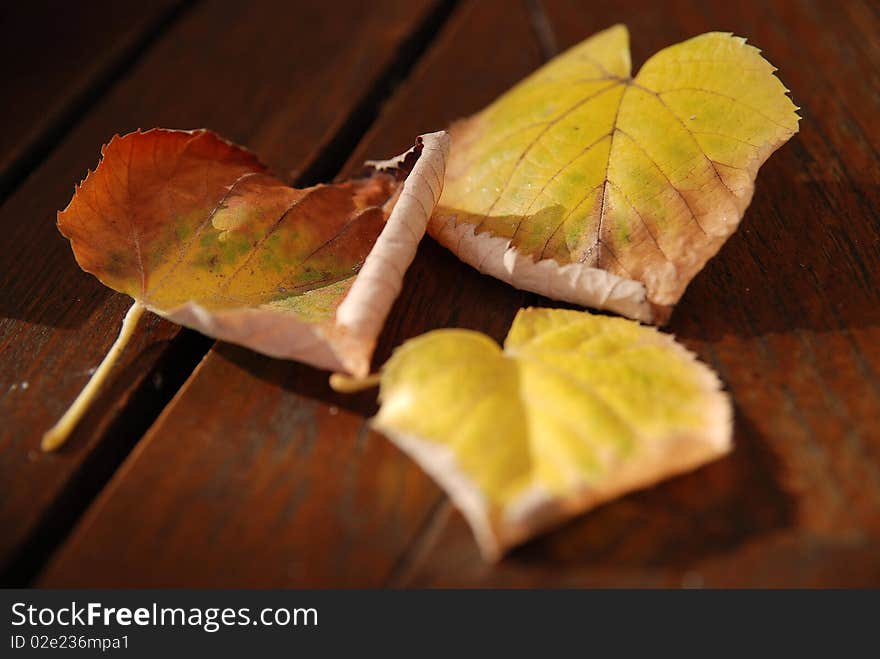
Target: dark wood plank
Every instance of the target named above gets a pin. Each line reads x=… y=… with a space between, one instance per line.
x=289 y=489
x=788 y=314
x=278 y=77
x=55 y=56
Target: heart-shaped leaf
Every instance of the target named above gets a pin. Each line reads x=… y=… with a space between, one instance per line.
x=585 y=184
x=576 y=409
x=196 y=230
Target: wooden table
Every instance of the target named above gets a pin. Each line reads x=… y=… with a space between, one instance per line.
x=204 y=464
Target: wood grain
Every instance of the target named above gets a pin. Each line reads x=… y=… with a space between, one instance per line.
x=227 y=66
x=364 y=505
x=787 y=313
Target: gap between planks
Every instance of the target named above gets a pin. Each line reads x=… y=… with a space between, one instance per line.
x=35 y=153
x=438 y=515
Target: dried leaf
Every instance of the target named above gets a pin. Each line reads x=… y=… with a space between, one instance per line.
x=587 y=185
x=575 y=410
x=196 y=230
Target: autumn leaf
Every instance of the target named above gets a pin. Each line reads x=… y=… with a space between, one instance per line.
x=196 y=230
x=585 y=184
x=575 y=410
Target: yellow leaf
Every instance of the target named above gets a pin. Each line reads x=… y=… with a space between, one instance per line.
x=585 y=184
x=575 y=410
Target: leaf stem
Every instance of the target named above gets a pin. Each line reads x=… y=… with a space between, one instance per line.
x=58 y=434
x=345 y=384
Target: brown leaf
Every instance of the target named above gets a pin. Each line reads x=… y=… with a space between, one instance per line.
x=195 y=229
